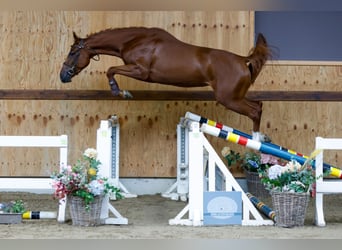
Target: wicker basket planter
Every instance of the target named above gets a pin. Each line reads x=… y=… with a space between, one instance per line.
x=80 y=216
x=290 y=208
x=255 y=186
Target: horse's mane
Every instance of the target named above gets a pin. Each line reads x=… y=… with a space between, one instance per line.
x=101 y=32
x=112 y=30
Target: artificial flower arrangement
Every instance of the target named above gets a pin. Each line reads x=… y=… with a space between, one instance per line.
x=83 y=180
x=231 y=156
x=251 y=161
x=16 y=206
x=254 y=161
x=293 y=177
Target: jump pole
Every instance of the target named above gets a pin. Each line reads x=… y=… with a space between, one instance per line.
x=35 y=215
x=238 y=137
x=261 y=206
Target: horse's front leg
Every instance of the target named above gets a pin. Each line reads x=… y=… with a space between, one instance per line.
x=135 y=71
x=115 y=89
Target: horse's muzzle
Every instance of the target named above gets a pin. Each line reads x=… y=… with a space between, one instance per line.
x=65 y=80
x=65 y=76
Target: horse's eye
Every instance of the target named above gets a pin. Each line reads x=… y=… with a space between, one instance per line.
x=73 y=52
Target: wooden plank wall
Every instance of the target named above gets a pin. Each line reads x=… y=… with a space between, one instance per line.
x=35 y=43
x=296 y=124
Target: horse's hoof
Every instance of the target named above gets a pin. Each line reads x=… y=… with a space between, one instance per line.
x=257 y=136
x=115 y=93
x=266 y=138
x=126 y=94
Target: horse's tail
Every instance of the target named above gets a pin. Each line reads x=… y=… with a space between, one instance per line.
x=258 y=57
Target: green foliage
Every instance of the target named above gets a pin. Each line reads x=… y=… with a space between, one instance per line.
x=86 y=196
x=110 y=189
x=289 y=179
x=252 y=161
x=16 y=206
x=231 y=156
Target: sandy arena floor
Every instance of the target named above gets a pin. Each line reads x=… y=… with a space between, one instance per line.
x=148 y=219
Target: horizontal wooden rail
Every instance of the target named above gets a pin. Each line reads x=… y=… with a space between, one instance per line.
x=168 y=95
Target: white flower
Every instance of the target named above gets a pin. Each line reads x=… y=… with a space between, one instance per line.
x=274 y=171
x=225 y=151
x=90 y=153
x=96 y=187
x=291 y=166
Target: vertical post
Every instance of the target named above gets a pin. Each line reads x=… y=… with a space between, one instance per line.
x=182 y=161
x=105 y=154
x=108 y=145
x=325 y=186
x=211 y=173
x=319 y=214
x=195 y=175
x=63 y=161
x=115 y=148
x=104 y=149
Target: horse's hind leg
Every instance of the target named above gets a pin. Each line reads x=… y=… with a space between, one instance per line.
x=257 y=107
x=256 y=134
x=249 y=108
x=252 y=109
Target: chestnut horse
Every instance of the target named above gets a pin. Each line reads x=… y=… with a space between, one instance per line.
x=154 y=55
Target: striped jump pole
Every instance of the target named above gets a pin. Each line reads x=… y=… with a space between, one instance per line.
x=262 y=207
x=263 y=147
x=203 y=120
x=35 y=215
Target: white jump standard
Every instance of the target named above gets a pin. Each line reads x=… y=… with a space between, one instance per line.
x=198 y=146
x=180 y=189
x=36 y=184
x=325 y=186
x=44 y=184
x=107 y=146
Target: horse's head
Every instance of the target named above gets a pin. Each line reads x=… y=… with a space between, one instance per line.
x=78 y=58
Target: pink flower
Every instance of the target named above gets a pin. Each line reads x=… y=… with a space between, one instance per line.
x=269 y=159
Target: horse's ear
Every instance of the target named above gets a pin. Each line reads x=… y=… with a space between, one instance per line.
x=76 y=38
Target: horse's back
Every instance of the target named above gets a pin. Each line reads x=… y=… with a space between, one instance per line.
x=173 y=61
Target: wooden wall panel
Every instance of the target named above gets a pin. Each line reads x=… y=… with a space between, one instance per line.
x=34 y=45
x=148 y=132
x=296 y=77
x=295 y=125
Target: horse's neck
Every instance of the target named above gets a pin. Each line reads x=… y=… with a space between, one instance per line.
x=110 y=42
